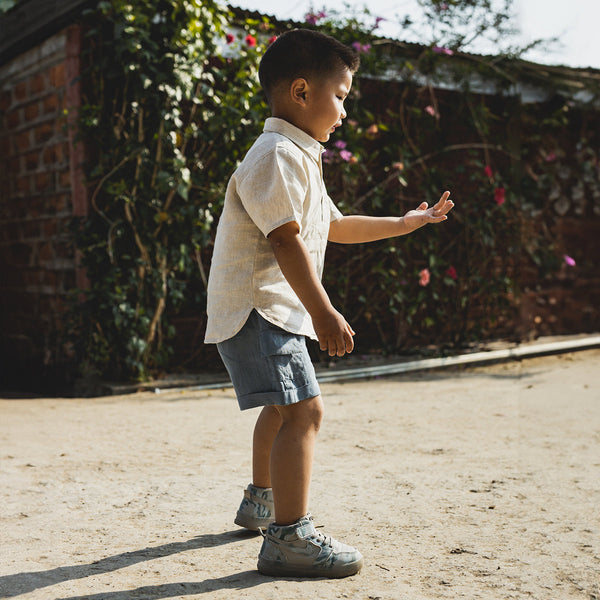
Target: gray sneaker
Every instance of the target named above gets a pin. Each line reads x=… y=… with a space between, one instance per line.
x=256 y=510
x=298 y=550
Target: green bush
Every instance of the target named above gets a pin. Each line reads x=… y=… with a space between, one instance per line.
x=172 y=101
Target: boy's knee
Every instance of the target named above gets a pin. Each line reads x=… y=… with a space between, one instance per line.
x=308 y=413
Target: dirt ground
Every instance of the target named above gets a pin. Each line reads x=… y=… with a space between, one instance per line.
x=473 y=483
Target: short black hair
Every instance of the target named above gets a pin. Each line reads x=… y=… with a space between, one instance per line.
x=303 y=53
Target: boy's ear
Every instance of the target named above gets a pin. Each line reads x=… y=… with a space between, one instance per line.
x=298 y=90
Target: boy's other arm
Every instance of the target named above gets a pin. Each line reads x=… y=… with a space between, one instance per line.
x=295 y=262
x=355 y=229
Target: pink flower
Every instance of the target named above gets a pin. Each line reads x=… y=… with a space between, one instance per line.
x=488 y=171
x=424 y=277
x=499 y=196
x=327 y=155
x=451 y=272
x=551 y=157
x=340 y=144
x=378 y=20
x=229 y=38
x=430 y=110
x=345 y=155
x=569 y=261
x=312 y=18
x=442 y=50
x=250 y=40
x=361 y=48
x=272 y=39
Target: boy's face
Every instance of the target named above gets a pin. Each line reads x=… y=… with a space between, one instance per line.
x=325 y=105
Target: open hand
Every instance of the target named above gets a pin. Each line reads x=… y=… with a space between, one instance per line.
x=425 y=214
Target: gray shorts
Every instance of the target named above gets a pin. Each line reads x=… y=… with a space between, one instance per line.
x=268 y=365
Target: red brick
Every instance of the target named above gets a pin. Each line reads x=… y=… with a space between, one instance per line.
x=22 y=141
x=32 y=161
x=63 y=250
x=31 y=229
x=43 y=132
x=59 y=203
x=50 y=278
x=38 y=83
x=5 y=100
x=24 y=184
x=57 y=75
x=13 y=118
x=21 y=91
x=51 y=104
x=20 y=254
x=54 y=154
x=14 y=165
x=45 y=252
x=42 y=181
x=64 y=179
x=49 y=228
x=31 y=111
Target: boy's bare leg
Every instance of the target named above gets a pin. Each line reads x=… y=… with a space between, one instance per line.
x=266 y=429
x=292 y=458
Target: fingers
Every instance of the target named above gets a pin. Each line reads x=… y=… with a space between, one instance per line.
x=443 y=203
x=339 y=345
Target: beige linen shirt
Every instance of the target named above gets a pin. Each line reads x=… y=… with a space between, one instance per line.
x=280 y=180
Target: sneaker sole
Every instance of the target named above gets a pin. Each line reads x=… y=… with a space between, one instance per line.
x=275 y=569
x=251 y=523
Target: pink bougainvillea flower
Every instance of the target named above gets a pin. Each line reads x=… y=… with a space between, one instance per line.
x=551 y=157
x=229 y=38
x=488 y=171
x=361 y=48
x=499 y=196
x=345 y=155
x=340 y=144
x=378 y=20
x=430 y=110
x=250 y=40
x=313 y=18
x=327 y=155
x=451 y=272
x=569 y=260
x=442 y=50
x=424 y=277
x=272 y=39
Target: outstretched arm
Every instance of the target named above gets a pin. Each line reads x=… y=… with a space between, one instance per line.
x=355 y=229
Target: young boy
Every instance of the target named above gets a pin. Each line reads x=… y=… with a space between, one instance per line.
x=265 y=293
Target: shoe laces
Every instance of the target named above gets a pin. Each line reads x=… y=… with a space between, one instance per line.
x=322 y=539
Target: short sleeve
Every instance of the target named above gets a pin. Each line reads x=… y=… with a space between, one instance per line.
x=273 y=192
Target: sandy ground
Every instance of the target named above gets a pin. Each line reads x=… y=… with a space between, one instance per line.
x=477 y=483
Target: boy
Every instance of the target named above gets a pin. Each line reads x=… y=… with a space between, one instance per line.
x=265 y=293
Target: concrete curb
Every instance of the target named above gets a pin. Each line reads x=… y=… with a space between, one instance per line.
x=517 y=352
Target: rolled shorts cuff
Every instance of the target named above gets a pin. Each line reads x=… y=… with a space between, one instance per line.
x=281 y=398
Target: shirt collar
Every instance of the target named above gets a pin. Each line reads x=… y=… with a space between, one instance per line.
x=296 y=135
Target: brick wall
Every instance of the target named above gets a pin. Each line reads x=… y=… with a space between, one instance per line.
x=41 y=188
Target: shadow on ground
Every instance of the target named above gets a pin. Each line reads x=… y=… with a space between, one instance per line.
x=22 y=583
